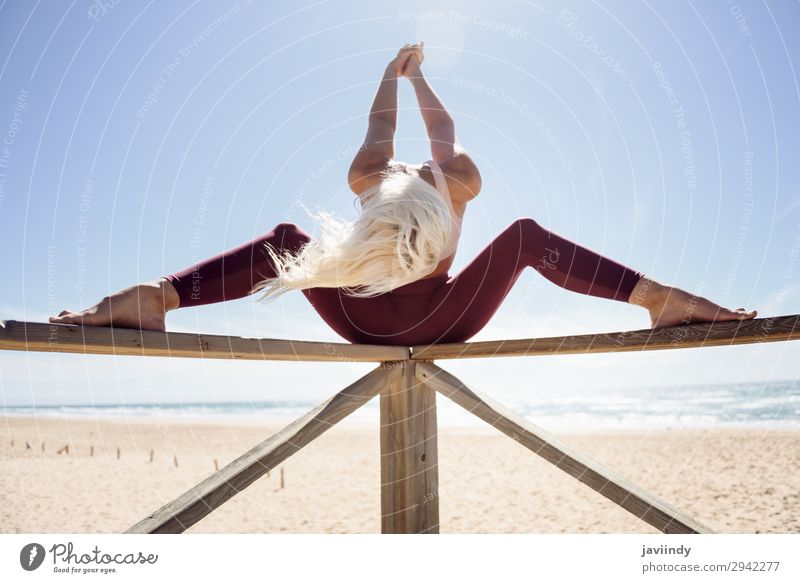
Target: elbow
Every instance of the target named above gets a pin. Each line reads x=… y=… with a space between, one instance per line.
x=365 y=172
x=357 y=179
x=466 y=174
x=385 y=118
x=473 y=186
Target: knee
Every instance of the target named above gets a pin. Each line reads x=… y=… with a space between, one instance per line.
x=523 y=225
x=287 y=236
x=289 y=230
x=286 y=226
x=526 y=223
x=520 y=234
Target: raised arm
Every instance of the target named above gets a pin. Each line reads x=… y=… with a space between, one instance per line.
x=464 y=177
x=378 y=148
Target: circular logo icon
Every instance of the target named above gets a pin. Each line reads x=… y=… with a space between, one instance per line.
x=31 y=556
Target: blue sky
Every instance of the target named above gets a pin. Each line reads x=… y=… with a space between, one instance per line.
x=141 y=137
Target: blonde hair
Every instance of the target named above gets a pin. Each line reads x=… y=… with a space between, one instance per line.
x=397 y=239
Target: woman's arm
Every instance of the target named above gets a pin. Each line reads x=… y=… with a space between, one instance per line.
x=378 y=147
x=445 y=148
x=438 y=123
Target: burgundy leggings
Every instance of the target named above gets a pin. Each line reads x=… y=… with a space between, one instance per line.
x=433 y=310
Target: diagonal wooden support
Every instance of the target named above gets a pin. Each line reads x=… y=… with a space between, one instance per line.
x=635 y=500
x=188 y=508
x=409 y=457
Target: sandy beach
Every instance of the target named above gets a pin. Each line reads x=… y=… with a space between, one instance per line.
x=732 y=480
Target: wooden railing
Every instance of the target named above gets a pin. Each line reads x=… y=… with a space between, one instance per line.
x=406 y=381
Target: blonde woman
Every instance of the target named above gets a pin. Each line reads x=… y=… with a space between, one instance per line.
x=383 y=278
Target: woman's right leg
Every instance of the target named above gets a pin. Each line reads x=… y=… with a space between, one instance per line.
x=226 y=276
x=468 y=301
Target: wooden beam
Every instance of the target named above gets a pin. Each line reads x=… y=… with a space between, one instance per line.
x=752 y=331
x=409 y=456
x=635 y=500
x=35 y=336
x=188 y=508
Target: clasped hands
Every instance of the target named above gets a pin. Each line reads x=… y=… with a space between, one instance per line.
x=408 y=60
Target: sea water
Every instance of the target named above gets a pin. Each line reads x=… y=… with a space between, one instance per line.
x=768 y=405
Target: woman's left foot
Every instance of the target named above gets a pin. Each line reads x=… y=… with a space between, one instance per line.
x=671 y=306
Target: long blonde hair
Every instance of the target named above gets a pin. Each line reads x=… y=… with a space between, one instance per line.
x=397 y=239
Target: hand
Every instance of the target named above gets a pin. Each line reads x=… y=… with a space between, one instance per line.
x=400 y=62
x=412 y=67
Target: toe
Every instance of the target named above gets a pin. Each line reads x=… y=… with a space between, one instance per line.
x=67 y=318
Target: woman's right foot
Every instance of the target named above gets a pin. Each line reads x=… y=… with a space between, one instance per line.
x=670 y=306
x=141 y=306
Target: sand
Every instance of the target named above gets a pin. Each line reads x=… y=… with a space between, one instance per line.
x=731 y=480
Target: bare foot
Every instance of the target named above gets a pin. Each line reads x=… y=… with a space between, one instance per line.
x=670 y=306
x=142 y=306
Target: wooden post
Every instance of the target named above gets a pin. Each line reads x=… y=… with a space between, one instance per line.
x=409 y=455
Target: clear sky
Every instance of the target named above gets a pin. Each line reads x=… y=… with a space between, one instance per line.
x=140 y=137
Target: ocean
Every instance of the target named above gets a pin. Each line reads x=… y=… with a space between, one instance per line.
x=769 y=405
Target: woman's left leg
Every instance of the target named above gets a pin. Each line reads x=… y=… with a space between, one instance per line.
x=469 y=299
x=466 y=303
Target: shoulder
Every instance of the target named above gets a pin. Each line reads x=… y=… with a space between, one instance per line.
x=462 y=175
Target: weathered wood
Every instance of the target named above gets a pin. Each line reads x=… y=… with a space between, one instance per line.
x=635 y=500
x=188 y=508
x=35 y=336
x=409 y=458
x=694 y=335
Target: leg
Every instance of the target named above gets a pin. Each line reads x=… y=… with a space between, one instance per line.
x=226 y=276
x=464 y=306
x=233 y=274
x=472 y=297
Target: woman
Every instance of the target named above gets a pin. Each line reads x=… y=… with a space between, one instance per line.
x=383 y=278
